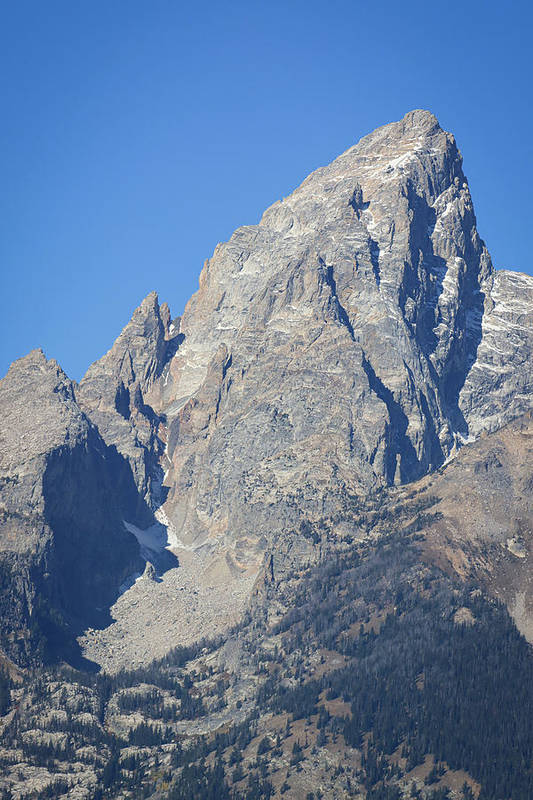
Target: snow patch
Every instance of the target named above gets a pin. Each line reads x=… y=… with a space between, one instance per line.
x=459 y=441
x=152 y=540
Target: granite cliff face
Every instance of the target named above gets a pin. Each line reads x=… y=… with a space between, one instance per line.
x=356 y=336
x=63 y=547
x=354 y=339
x=499 y=387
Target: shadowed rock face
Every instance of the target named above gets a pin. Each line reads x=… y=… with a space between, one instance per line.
x=63 y=547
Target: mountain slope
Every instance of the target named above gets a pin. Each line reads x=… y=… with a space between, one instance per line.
x=366 y=670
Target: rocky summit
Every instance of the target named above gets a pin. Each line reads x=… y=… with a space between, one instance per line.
x=337 y=428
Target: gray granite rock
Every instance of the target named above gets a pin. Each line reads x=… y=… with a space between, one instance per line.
x=341 y=341
x=149 y=572
x=355 y=338
x=113 y=394
x=63 y=547
x=499 y=386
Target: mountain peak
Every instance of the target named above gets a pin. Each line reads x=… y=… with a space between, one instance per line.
x=418 y=133
x=138 y=354
x=37 y=407
x=35 y=366
x=421 y=118
x=150 y=304
x=254 y=452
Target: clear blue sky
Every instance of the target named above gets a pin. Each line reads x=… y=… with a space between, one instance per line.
x=136 y=135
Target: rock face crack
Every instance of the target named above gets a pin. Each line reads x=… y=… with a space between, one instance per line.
x=401 y=457
x=373 y=247
x=341 y=311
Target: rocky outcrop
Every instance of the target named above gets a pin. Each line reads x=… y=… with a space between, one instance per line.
x=63 y=547
x=499 y=385
x=113 y=394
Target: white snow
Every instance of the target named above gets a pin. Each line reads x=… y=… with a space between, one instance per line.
x=151 y=540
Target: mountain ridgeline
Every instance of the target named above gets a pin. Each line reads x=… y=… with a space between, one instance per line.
x=328 y=450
